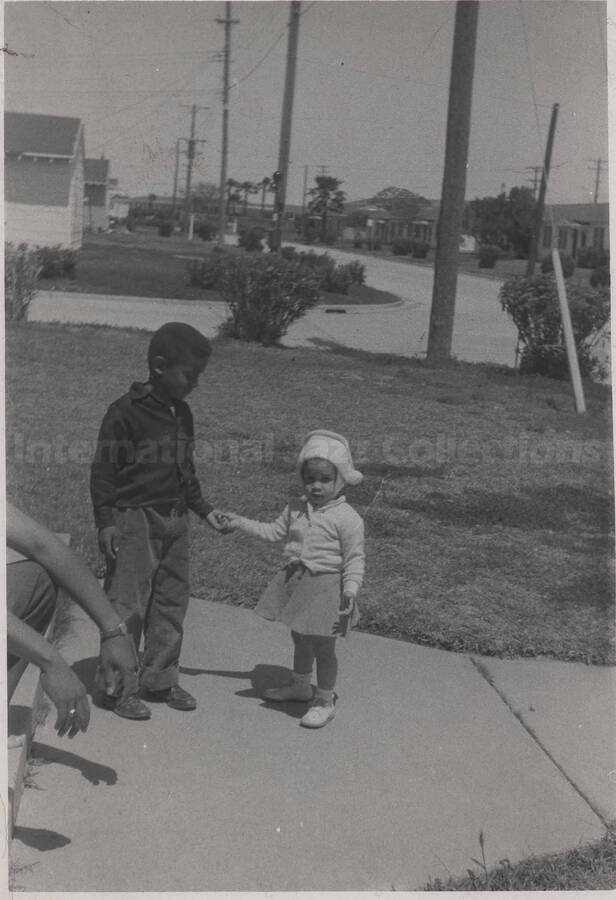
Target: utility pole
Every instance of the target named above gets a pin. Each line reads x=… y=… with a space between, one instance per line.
x=454 y=182
x=284 y=147
x=228 y=22
x=600 y=164
x=532 y=256
x=190 y=153
x=175 y=177
x=304 y=193
x=535 y=178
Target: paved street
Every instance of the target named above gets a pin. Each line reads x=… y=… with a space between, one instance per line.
x=482 y=331
x=423 y=754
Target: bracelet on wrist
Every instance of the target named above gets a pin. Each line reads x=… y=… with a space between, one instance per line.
x=116 y=631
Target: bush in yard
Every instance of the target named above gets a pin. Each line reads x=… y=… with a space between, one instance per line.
x=357 y=272
x=207 y=273
x=21 y=270
x=205 y=230
x=165 y=229
x=600 y=277
x=56 y=262
x=251 y=239
x=488 y=254
x=532 y=304
x=288 y=252
x=401 y=247
x=567 y=263
x=592 y=258
x=358 y=243
x=265 y=294
x=420 y=249
x=330 y=239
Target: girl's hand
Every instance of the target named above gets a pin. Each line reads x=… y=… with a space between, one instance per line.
x=347 y=605
x=229 y=521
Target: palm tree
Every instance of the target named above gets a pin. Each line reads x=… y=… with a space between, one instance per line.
x=247 y=187
x=326 y=197
x=264 y=184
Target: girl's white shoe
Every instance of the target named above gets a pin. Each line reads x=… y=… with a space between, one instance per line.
x=319 y=714
x=295 y=690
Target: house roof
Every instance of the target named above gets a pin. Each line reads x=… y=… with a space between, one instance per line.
x=96 y=171
x=583 y=213
x=40 y=135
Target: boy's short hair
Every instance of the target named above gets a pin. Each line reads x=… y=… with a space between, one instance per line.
x=177 y=342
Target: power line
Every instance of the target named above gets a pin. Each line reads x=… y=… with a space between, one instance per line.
x=262 y=60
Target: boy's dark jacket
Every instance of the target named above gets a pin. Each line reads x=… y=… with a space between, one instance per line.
x=144 y=457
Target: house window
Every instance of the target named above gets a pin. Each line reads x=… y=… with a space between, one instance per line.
x=597 y=238
x=547 y=236
x=562 y=238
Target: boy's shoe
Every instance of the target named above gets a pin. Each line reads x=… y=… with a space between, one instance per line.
x=293 y=691
x=319 y=714
x=175 y=697
x=131 y=708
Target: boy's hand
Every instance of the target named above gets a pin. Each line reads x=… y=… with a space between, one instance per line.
x=217 y=520
x=108 y=541
x=229 y=521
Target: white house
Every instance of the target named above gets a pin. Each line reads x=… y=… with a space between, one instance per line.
x=43 y=179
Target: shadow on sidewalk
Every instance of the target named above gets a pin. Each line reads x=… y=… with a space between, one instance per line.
x=261 y=677
x=40 y=838
x=93 y=772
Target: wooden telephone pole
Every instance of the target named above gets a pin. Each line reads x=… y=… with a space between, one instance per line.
x=228 y=22
x=534 y=247
x=285 y=126
x=454 y=182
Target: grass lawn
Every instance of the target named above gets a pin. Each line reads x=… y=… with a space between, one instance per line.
x=487 y=500
x=142 y=264
x=591 y=867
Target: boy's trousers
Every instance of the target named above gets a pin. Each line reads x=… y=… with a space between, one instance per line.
x=147 y=586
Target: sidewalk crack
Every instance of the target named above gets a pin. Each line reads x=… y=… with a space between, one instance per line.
x=483 y=671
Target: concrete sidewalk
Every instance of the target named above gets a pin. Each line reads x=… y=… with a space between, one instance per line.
x=426 y=749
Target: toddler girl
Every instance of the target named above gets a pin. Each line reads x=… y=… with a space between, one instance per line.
x=314 y=592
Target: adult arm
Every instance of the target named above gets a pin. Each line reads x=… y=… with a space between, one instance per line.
x=118 y=657
x=59 y=681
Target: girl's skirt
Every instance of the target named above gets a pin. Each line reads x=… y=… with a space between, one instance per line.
x=307 y=603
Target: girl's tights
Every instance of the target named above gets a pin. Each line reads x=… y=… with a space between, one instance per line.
x=309 y=647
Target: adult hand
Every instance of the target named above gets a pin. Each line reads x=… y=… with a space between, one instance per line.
x=68 y=695
x=119 y=667
x=108 y=541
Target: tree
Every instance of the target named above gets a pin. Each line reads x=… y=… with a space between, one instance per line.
x=400 y=202
x=204 y=194
x=506 y=221
x=326 y=197
x=247 y=187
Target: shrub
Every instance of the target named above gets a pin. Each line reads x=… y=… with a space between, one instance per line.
x=358 y=243
x=600 y=277
x=205 y=230
x=330 y=239
x=21 y=270
x=420 y=249
x=488 y=254
x=357 y=272
x=567 y=263
x=207 y=273
x=401 y=247
x=288 y=252
x=592 y=258
x=251 y=238
x=265 y=295
x=165 y=229
x=56 y=262
x=532 y=303
x=130 y=224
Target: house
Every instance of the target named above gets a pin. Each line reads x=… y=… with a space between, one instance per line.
x=43 y=179
x=575 y=226
x=96 y=194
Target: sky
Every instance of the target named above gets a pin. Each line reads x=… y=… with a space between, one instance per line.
x=370 y=97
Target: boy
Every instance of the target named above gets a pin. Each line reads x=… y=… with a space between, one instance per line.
x=143 y=482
